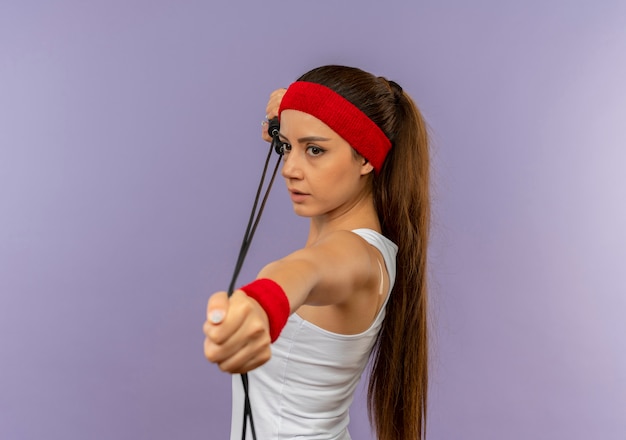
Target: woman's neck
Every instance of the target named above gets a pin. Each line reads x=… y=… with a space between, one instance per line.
x=361 y=214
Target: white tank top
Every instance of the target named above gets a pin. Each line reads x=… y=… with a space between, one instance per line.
x=305 y=390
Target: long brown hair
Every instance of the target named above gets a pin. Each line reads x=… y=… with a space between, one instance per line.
x=398 y=384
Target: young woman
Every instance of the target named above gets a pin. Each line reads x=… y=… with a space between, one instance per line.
x=356 y=162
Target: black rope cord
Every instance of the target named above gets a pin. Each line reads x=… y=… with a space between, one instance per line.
x=253 y=222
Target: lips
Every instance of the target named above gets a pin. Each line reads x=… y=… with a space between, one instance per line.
x=297 y=196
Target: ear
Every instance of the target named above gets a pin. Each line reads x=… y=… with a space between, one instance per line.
x=366 y=167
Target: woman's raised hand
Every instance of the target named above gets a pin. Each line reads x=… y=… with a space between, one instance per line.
x=236 y=331
x=271 y=111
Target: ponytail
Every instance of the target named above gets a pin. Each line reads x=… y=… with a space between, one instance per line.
x=398 y=384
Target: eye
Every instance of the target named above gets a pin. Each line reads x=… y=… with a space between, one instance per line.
x=285 y=147
x=314 y=150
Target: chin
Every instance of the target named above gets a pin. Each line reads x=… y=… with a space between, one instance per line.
x=300 y=212
x=303 y=211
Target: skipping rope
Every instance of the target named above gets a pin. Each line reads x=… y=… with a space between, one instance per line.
x=253 y=221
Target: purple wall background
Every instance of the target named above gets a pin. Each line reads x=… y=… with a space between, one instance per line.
x=129 y=151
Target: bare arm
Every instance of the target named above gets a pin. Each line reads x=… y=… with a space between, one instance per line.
x=332 y=271
x=329 y=272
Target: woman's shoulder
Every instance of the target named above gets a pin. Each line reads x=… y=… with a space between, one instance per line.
x=376 y=239
x=349 y=241
x=342 y=240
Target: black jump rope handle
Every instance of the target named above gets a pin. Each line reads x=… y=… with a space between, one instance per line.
x=253 y=221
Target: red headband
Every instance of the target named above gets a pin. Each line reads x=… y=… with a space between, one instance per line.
x=342 y=116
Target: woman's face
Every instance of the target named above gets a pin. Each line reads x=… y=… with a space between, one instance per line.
x=324 y=176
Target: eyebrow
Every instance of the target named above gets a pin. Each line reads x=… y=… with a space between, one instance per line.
x=307 y=138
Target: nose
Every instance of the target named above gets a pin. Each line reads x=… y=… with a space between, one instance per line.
x=292 y=168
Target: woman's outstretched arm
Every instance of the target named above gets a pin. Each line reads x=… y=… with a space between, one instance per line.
x=330 y=272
